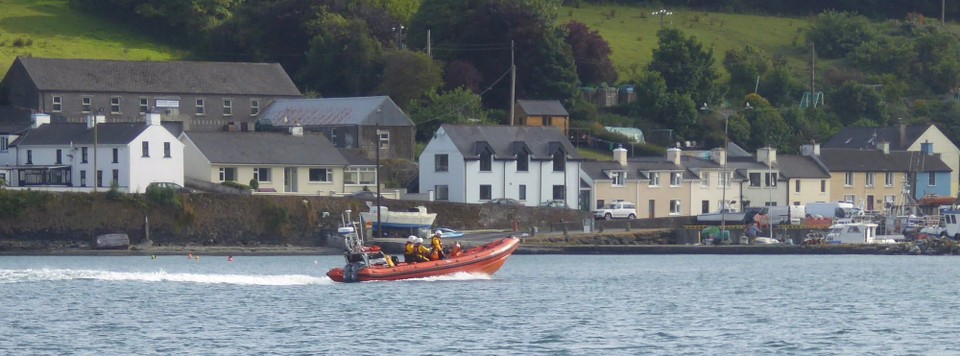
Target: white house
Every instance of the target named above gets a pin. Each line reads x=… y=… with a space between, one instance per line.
x=475 y=164
x=94 y=155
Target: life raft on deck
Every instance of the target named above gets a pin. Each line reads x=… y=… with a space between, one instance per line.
x=486 y=259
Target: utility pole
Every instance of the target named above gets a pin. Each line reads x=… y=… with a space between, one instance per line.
x=943 y=6
x=513 y=83
x=813 y=63
x=429 y=53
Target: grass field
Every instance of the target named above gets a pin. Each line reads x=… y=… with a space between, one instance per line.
x=632 y=32
x=49 y=28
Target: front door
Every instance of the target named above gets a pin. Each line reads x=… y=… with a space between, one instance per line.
x=290 y=179
x=651 y=205
x=704 y=206
x=869 y=203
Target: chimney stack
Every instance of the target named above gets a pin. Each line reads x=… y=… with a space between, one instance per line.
x=767 y=156
x=620 y=155
x=673 y=155
x=94 y=120
x=153 y=119
x=812 y=149
x=719 y=155
x=39 y=119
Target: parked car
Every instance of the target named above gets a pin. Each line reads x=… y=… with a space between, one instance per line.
x=505 y=201
x=169 y=185
x=556 y=203
x=616 y=210
x=446 y=232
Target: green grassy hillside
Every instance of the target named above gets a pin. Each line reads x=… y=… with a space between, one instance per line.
x=49 y=28
x=632 y=32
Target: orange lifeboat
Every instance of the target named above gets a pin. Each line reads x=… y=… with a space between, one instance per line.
x=486 y=259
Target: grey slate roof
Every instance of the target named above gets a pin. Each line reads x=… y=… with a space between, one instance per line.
x=868 y=137
x=335 y=111
x=877 y=161
x=542 y=140
x=13 y=129
x=88 y=75
x=266 y=148
x=542 y=107
x=111 y=133
x=797 y=166
x=356 y=157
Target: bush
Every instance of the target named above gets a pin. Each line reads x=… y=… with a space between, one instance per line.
x=254 y=184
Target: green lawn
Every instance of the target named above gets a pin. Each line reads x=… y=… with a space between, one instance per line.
x=632 y=32
x=49 y=28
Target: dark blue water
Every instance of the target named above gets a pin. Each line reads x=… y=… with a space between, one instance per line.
x=535 y=305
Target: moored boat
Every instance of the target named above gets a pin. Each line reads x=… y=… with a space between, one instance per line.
x=416 y=218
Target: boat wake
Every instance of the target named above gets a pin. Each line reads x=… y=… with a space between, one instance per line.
x=45 y=274
x=459 y=276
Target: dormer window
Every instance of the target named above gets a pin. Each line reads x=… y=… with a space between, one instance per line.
x=486 y=161
x=619 y=178
x=559 y=161
x=654 y=179
x=675 y=179
x=523 y=161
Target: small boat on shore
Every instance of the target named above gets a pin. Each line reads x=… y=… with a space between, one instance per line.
x=369 y=263
x=416 y=218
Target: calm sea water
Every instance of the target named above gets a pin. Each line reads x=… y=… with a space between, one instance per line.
x=553 y=305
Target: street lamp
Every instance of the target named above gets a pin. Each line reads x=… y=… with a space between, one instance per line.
x=399 y=35
x=723 y=177
x=662 y=13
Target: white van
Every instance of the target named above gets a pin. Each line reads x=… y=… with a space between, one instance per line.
x=787 y=214
x=832 y=210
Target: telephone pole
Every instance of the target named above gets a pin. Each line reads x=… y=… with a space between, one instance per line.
x=513 y=83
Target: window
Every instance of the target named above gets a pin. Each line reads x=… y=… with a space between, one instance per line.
x=486 y=161
x=931 y=179
x=600 y=203
x=145 y=148
x=674 y=207
x=619 y=178
x=144 y=105
x=770 y=179
x=366 y=176
x=724 y=179
x=59 y=156
x=442 y=192
x=888 y=201
x=228 y=174
x=654 y=179
x=83 y=178
x=86 y=103
x=558 y=192
x=99 y=178
x=384 y=137
x=754 y=179
x=704 y=206
x=486 y=192
x=523 y=192
x=888 y=179
x=870 y=178
x=57 y=102
x=83 y=155
x=254 y=107
x=261 y=174
x=675 y=179
x=115 y=105
x=523 y=161
x=848 y=179
x=440 y=163
x=559 y=162
x=796 y=186
x=705 y=179
x=116 y=177
x=116 y=155
x=166 y=149
x=850 y=198
x=321 y=175
x=823 y=186
x=4 y=143
x=227 y=107
x=29 y=156
x=200 y=107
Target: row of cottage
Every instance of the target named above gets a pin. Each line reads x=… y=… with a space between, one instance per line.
x=264 y=132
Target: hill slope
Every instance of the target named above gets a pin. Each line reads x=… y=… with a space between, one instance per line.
x=49 y=28
x=632 y=32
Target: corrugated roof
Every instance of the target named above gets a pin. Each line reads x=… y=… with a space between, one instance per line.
x=335 y=111
x=266 y=148
x=542 y=107
x=89 y=75
x=541 y=140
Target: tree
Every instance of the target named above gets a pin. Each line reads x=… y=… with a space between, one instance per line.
x=686 y=67
x=854 y=101
x=408 y=77
x=835 y=34
x=936 y=63
x=343 y=60
x=455 y=106
x=745 y=65
x=591 y=54
x=462 y=74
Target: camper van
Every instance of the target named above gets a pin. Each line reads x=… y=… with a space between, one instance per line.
x=832 y=210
